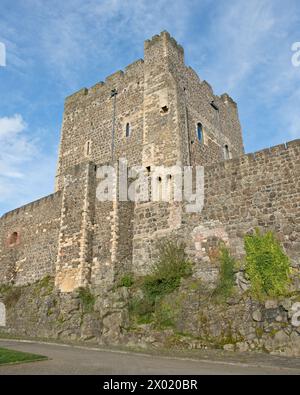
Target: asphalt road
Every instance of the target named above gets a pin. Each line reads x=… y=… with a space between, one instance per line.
x=75 y=360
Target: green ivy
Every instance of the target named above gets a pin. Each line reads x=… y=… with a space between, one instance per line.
x=267 y=266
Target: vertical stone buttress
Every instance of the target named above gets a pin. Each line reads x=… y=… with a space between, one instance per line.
x=121 y=219
x=74 y=258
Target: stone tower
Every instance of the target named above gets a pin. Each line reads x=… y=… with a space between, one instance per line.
x=160 y=114
x=155 y=113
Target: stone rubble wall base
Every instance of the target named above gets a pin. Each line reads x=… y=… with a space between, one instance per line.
x=239 y=324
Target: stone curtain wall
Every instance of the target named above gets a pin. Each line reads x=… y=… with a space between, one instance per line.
x=31 y=254
x=260 y=190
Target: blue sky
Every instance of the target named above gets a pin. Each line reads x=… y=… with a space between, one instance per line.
x=56 y=47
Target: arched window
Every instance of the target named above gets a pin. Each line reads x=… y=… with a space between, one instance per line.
x=200 y=132
x=127 y=129
x=226 y=152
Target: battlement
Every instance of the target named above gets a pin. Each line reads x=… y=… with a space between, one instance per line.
x=290 y=148
x=133 y=70
x=32 y=205
x=164 y=35
x=227 y=99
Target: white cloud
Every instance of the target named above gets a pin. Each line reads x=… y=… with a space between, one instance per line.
x=2 y=55
x=10 y=126
x=16 y=147
x=25 y=171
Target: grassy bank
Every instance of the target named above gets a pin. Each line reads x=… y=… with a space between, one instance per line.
x=11 y=357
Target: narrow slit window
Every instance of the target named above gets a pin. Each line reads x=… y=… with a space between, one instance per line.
x=127 y=129
x=226 y=152
x=160 y=191
x=200 y=132
x=88 y=146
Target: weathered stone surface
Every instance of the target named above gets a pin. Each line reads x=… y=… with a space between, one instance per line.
x=286 y=304
x=242 y=283
x=281 y=338
x=229 y=347
x=91 y=327
x=271 y=304
x=242 y=347
x=257 y=316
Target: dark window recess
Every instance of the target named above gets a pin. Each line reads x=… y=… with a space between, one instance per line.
x=127 y=129
x=214 y=106
x=164 y=109
x=226 y=152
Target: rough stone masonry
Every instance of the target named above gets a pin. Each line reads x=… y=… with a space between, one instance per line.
x=158 y=113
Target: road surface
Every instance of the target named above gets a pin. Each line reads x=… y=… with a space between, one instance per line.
x=79 y=360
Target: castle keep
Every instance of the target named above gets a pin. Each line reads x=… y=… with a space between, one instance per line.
x=157 y=112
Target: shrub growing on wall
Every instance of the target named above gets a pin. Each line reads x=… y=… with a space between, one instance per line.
x=226 y=279
x=87 y=299
x=172 y=265
x=127 y=281
x=267 y=266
